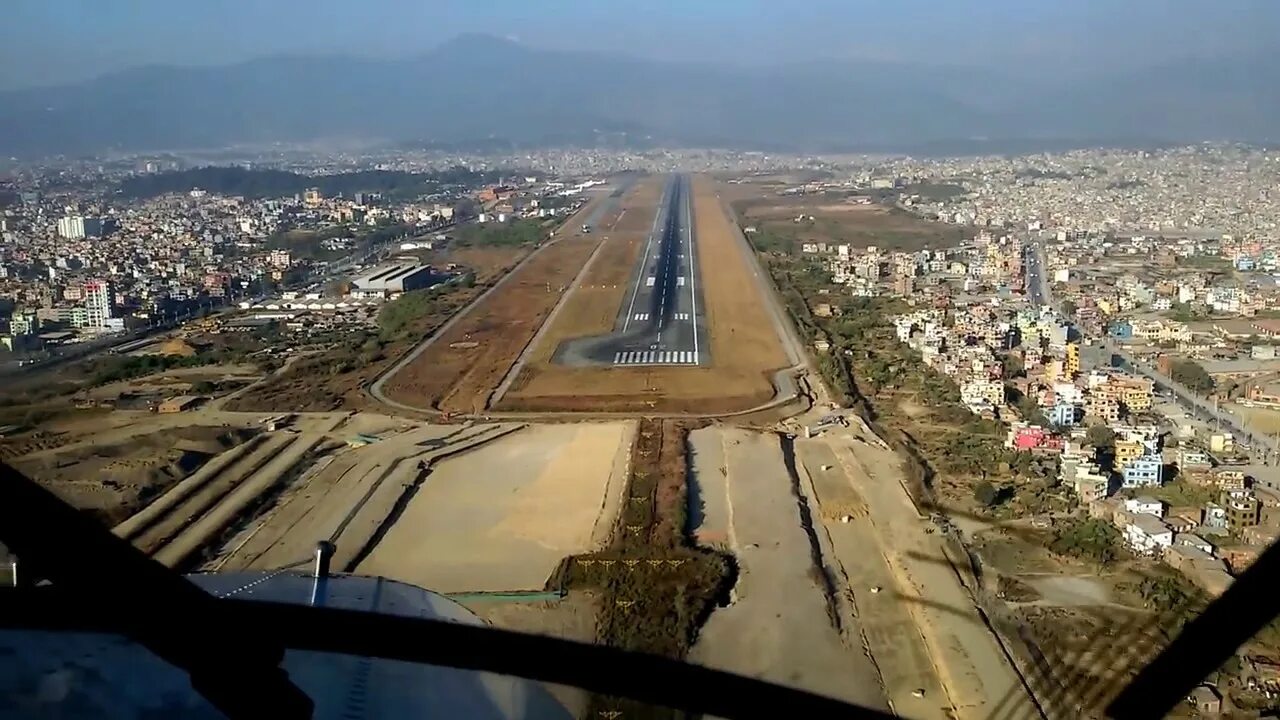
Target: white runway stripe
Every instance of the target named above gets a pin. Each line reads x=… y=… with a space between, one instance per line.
x=656 y=357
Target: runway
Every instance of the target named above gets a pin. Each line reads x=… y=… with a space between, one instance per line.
x=661 y=320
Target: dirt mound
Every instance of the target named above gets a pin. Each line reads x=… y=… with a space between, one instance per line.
x=115 y=480
x=16 y=447
x=196 y=439
x=176 y=347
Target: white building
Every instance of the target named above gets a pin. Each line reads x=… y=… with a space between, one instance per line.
x=1144 y=505
x=97 y=304
x=1148 y=535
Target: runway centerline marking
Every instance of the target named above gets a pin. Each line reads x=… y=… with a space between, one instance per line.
x=643 y=264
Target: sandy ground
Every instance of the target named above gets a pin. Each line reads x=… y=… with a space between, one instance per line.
x=503 y=518
x=345 y=497
x=116 y=476
x=978 y=677
x=1068 y=590
x=778 y=627
x=1260 y=419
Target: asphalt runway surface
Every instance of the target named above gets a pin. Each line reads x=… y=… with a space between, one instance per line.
x=661 y=320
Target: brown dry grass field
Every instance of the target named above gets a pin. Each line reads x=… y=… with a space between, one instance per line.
x=462 y=368
x=838 y=220
x=745 y=349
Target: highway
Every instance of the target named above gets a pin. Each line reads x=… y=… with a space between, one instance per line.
x=661 y=320
x=1037 y=283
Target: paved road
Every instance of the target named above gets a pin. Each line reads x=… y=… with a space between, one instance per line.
x=661 y=320
x=1037 y=283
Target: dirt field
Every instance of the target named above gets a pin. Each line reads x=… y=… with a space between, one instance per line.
x=920 y=576
x=835 y=220
x=114 y=479
x=463 y=367
x=503 y=518
x=350 y=494
x=178 y=381
x=744 y=347
x=1259 y=419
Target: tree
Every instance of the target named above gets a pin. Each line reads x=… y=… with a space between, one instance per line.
x=985 y=493
x=1101 y=436
x=1031 y=412
x=1069 y=307
x=1168 y=593
x=1013 y=366
x=204 y=387
x=1192 y=375
x=1090 y=539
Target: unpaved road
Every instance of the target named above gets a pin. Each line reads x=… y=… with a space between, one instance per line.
x=884 y=621
x=778 y=627
x=979 y=678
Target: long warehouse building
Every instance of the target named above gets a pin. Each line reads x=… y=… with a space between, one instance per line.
x=396 y=278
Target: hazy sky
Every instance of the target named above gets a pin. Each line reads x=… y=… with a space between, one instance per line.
x=51 y=41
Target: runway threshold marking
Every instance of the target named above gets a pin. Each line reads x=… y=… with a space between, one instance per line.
x=655 y=357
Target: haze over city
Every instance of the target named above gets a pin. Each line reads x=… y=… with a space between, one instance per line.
x=641 y=360
x=854 y=76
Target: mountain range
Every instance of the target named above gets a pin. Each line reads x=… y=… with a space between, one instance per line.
x=477 y=88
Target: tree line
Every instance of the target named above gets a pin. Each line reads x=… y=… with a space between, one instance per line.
x=280 y=183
